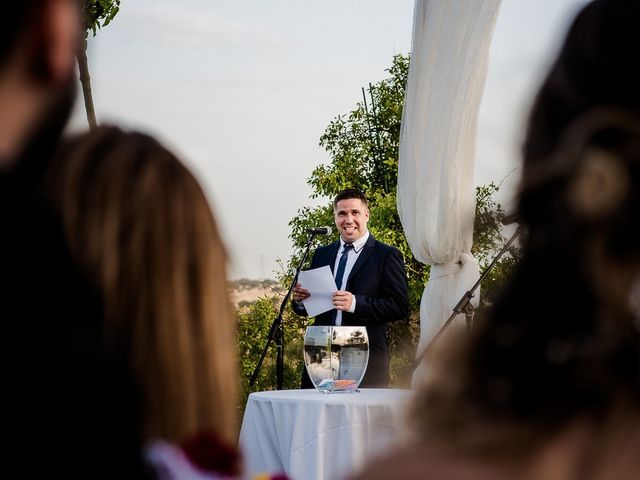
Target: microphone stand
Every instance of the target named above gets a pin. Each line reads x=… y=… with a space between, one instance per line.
x=276 y=333
x=464 y=305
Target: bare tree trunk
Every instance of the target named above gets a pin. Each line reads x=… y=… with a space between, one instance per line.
x=85 y=80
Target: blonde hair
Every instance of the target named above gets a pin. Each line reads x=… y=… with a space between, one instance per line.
x=139 y=223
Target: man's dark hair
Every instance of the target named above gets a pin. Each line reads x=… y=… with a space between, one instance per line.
x=350 y=193
x=13 y=22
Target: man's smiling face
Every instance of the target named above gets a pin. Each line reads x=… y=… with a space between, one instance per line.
x=351 y=216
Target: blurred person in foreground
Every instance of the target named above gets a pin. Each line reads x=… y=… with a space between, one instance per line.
x=69 y=408
x=549 y=385
x=138 y=223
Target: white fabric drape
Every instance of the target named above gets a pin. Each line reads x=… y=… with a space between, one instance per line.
x=449 y=58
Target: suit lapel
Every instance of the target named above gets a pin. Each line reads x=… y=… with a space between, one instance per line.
x=332 y=252
x=367 y=251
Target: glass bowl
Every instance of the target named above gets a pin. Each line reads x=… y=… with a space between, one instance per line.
x=336 y=357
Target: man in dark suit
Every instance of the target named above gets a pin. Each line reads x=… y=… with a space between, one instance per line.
x=371 y=280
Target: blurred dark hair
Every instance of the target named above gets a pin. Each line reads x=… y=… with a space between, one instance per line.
x=589 y=186
x=349 y=193
x=562 y=342
x=139 y=224
x=14 y=21
x=596 y=68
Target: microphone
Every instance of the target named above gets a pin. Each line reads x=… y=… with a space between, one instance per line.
x=319 y=231
x=509 y=219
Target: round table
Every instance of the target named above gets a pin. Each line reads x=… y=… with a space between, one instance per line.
x=312 y=436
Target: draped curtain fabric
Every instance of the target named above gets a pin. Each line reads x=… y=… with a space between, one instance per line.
x=449 y=57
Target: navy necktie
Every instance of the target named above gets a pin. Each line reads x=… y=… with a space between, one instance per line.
x=342 y=264
x=340 y=273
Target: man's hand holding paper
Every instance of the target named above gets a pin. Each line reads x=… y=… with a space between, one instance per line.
x=315 y=290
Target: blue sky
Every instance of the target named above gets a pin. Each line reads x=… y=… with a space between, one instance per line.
x=242 y=91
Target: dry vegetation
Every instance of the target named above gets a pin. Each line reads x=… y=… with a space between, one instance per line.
x=244 y=292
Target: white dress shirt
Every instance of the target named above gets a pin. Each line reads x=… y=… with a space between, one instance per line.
x=352 y=256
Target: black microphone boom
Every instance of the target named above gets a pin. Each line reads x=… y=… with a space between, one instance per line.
x=276 y=332
x=319 y=231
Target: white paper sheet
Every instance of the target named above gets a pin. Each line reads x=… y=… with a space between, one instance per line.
x=321 y=285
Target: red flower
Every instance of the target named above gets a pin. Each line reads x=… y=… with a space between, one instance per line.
x=208 y=452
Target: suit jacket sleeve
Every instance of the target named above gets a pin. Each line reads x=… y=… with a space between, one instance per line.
x=392 y=301
x=298 y=309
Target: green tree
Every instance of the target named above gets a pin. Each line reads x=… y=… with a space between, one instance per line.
x=95 y=15
x=254 y=323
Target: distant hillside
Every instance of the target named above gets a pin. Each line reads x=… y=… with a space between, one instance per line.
x=246 y=291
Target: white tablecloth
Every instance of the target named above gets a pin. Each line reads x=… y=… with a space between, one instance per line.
x=310 y=435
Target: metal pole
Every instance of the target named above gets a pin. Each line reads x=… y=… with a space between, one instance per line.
x=464 y=304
